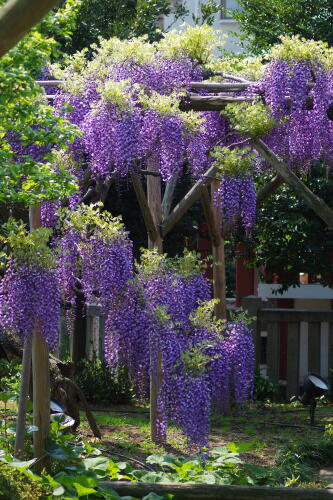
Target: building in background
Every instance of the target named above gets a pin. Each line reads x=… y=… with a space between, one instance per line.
x=223 y=21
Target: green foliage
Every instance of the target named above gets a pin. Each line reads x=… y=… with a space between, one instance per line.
x=10 y=375
x=264 y=387
x=195 y=361
x=95 y=19
x=208 y=11
x=233 y=162
x=185 y=265
x=102 y=386
x=16 y=485
x=290 y=238
x=28 y=247
x=89 y=219
x=249 y=68
x=204 y=316
x=250 y=119
x=297 y=461
x=197 y=42
x=26 y=118
x=262 y=22
x=294 y=48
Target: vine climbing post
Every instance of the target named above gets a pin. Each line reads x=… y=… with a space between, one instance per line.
x=40 y=373
x=154 y=199
x=212 y=216
x=218 y=260
x=23 y=398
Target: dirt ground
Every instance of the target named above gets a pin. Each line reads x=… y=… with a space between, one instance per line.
x=126 y=431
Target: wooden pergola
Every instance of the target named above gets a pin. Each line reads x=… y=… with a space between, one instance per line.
x=160 y=219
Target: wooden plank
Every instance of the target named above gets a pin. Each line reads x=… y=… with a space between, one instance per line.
x=303 y=351
x=217 y=492
x=23 y=399
x=210 y=216
x=293 y=360
x=313 y=201
x=324 y=349
x=220 y=86
x=314 y=347
x=290 y=315
x=210 y=103
x=273 y=351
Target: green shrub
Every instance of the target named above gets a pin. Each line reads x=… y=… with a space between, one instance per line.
x=100 y=385
x=264 y=388
x=15 y=485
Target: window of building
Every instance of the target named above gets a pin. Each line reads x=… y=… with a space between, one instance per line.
x=227 y=6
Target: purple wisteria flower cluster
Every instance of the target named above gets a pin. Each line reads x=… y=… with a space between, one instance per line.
x=29 y=299
x=236 y=199
x=202 y=366
x=118 y=138
x=299 y=95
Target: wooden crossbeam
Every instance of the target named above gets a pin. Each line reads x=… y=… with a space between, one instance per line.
x=191 y=197
x=168 y=196
x=220 y=86
x=210 y=103
x=313 y=201
x=268 y=189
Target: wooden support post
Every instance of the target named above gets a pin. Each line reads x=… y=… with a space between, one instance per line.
x=23 y=399
x=218 y=259
x=40 y=374
x=155 y=207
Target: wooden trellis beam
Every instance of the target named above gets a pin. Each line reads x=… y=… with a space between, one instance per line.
x=268 y=189
x=191 y=197
x=220 y=86
x=313 y=201
x=144 y=207
x=210 y=103
x=168 y=196
x=17 y=17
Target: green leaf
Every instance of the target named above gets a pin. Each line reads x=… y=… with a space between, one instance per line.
x=57 y=452
x=152 y=496
x=157 y=477
x=25 y=464
x=58 y=491
x=96 y=463
x=83 y=490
